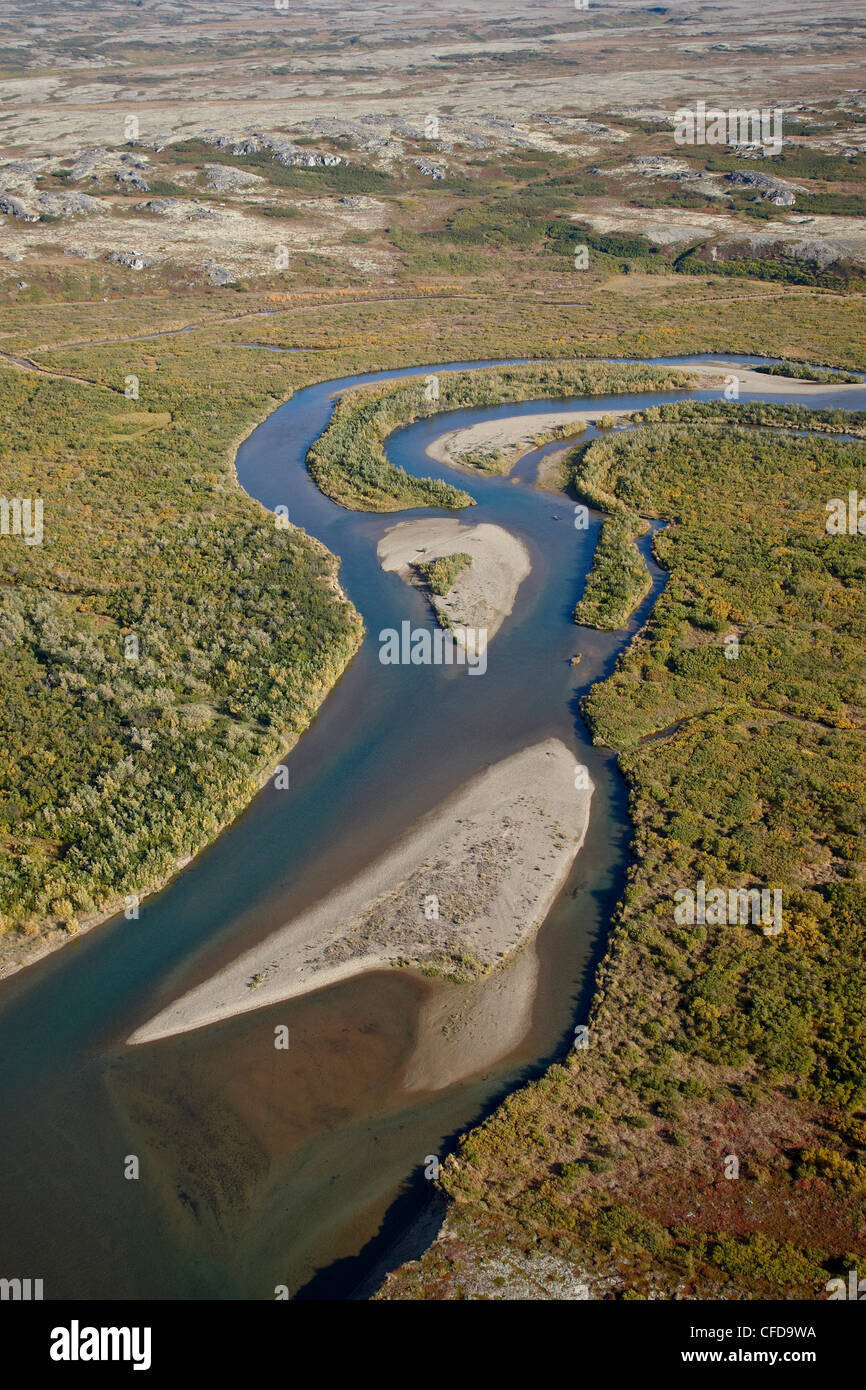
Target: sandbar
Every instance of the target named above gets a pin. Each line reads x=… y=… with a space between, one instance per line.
x=459 y=894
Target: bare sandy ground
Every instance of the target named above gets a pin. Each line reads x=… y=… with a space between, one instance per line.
x=516 y=435
x=513 y=436
x=750 y=380
x=462 y=892
x=549 y=474
x=464 y=1032
x=483 y=595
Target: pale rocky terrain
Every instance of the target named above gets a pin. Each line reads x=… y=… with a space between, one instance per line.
x=105 y=90
x=232 y=237
x=817 y=240
x=70 y=79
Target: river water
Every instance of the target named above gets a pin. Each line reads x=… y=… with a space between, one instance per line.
x=261 y=1168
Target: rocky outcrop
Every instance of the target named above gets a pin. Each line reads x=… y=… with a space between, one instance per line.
x=89 y=164
x=128 y=168
x=14 y=171
x=218 y=275
x=11 y=207
x=819 y=253
x=430 y=171
x=133 y=260
x=284 y=150
x=158 y=205
x=223 y=178
x=781 y=194
x=131 y=178
x=69 y=204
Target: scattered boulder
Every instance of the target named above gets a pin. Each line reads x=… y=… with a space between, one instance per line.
x=10 y=207
x=782 y=195
x=69 y=204
x=251 y=146
x=746 y=178
x=284 y=151
x=133 y=260
x=222 y=178
x=218 y=275
x=89 y=165
x=290 y=155
x=131 y=178
x=430 y=171
x=313 y=161
x=14 y=171
x=157 y=205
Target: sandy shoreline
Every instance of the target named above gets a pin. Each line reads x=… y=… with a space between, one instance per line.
x=751 y=380
x=516 y=435
x=483 y=596
x=512 y=436
x=463 y=891
x=463 y=1032
x=18 y=952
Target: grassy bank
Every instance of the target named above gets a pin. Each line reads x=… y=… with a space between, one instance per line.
x=806 y=372
x=619 y=578
x=441 y=575
x=161 y=648
x=348 y=460
x=144 y=520
x=744 y=765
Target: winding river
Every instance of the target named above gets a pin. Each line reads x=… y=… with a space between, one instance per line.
x=305 y=1168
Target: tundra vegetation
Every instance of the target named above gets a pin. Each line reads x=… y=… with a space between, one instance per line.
x=806 y=372
x=619 y=578
x=744 y=763
x=703 y=1042
x=126 y=483
x=441 y=575
x=160 y=649
x=761 y=413
x=613 y=1157
x=348 y=459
